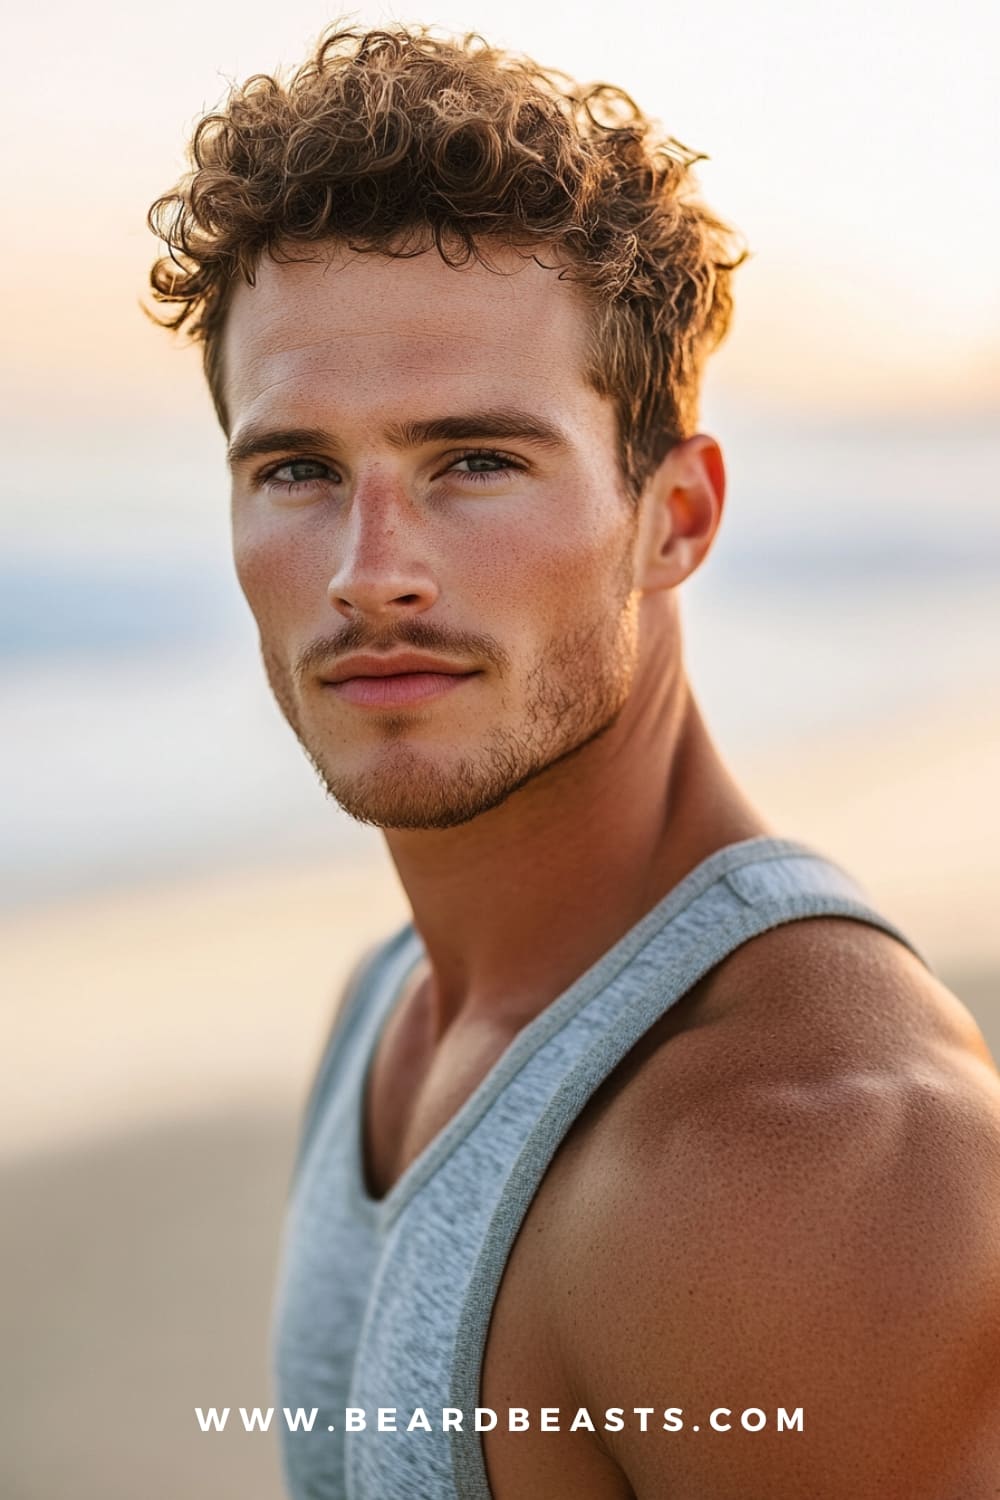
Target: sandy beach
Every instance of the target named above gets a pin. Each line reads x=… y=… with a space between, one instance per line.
x=163 y=1037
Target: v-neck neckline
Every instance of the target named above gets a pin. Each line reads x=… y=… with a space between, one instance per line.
x=380 y=1211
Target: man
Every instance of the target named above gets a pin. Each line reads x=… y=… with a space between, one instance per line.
x=648 y=1119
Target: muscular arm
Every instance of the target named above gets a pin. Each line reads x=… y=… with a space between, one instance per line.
x=834 y=1248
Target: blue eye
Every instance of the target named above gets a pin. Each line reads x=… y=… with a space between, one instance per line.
x=498 y=463
x=306 y=474
x=301 y=480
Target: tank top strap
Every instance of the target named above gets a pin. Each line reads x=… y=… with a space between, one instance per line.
x=370 y=987
x=388 y=1302
x=780 y=880
x=738 y=893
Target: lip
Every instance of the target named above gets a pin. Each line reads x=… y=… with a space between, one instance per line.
x=394 y=680
x=399 y=689
x=394 y=664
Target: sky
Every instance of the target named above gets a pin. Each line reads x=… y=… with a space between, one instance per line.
x=854 y=146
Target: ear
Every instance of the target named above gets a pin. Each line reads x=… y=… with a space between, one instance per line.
x=680 y=510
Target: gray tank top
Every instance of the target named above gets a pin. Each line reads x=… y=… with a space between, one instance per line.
x=386 y=1303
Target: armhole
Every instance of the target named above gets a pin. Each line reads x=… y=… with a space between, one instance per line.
x=350 y=996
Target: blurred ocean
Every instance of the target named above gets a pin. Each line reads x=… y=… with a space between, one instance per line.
x=140 y=738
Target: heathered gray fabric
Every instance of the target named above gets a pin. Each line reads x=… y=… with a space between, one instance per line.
x=387 y=1303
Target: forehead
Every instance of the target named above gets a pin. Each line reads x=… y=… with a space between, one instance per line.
x=366 y=329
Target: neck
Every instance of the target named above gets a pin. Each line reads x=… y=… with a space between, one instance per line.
x=515 y=905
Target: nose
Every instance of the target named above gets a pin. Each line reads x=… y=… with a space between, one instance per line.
x=382 y=571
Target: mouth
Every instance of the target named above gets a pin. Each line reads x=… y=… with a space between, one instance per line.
x=399 y=689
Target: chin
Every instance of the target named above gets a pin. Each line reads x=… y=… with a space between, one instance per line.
x=409 y=789
x=413 y=807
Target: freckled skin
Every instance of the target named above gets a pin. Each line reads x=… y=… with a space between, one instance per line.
x=789 y=1191
x=558 y=661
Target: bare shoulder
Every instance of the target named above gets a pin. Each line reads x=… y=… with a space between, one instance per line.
x=793 y=1205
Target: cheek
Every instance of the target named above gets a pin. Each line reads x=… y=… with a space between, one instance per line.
x=536 y=581
x=576 y=565
x=280 y=574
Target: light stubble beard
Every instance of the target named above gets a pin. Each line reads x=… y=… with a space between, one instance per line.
x=575 y=693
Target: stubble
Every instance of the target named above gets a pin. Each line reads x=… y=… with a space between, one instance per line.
x=574 y=692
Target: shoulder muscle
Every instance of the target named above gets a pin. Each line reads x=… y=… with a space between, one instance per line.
x=830 y=1246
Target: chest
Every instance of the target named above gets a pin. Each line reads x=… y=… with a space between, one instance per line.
x=416 y=1086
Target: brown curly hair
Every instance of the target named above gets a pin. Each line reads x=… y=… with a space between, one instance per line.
x=392 y=140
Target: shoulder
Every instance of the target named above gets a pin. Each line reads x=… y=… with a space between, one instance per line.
x=795 y=1204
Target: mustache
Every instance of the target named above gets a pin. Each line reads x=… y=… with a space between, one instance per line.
x=419 y=635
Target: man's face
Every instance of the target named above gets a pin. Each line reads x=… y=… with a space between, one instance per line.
x=457 y=496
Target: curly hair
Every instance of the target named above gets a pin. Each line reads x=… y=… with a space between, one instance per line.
x=394 y=141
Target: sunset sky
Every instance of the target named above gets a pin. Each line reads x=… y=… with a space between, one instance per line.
x=855 y=147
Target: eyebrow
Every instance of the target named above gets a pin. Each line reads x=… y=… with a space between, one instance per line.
x=499 y=422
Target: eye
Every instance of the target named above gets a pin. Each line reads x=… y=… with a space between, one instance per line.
x=306 y=474
x=483 y=464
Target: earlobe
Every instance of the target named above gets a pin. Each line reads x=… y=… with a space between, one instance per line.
x=683 y=504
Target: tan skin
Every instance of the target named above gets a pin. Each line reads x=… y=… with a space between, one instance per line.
x=789 y=1194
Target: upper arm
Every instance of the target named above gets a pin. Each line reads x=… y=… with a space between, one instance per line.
x=833 y=1250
